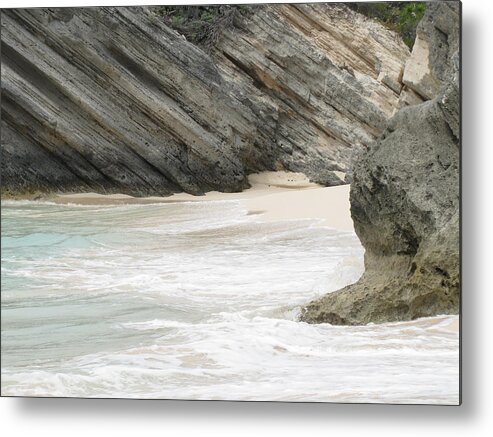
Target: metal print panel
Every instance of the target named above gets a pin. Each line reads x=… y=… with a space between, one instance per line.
x=234 y=202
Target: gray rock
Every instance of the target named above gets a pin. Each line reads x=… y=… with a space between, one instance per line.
x=437 y=39
x=405 y=207
x=112 y=100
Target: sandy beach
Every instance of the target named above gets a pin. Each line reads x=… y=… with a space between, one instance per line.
x=273 y=196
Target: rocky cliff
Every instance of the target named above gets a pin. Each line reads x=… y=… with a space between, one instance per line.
x=405 y=194
x=113 y=100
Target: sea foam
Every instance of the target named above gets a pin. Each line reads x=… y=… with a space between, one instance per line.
x=198 y=301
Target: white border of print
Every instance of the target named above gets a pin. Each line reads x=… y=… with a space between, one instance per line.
x=79 y=417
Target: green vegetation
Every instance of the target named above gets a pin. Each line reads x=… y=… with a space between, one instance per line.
x=202 y=25
x=403 y=17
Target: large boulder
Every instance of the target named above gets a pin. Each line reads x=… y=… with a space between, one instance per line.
x=405 y=198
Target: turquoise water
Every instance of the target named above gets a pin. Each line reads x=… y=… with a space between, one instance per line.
x=198 y=300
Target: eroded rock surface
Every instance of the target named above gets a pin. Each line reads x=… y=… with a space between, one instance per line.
x=320 y=78
x=405 y=200
x=112 y=100
x=437 y=40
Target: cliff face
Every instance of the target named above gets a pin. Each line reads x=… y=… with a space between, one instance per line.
x=405 y=195
x=318 y=78
x=112 y=100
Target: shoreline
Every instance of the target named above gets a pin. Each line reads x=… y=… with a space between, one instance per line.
x=273 y=196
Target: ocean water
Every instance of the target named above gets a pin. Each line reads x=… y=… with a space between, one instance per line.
x=198 y=300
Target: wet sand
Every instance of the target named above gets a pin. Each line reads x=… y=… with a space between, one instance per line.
x=272 y=196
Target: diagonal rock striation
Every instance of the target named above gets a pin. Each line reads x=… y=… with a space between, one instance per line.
x=112 y=100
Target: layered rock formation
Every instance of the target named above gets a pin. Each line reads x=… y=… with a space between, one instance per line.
x=405 y=194
x=319 y=78
x=112 y=100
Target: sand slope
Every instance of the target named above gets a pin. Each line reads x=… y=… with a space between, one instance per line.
x=273 y=196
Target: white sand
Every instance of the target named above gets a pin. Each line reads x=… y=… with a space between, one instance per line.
x=273 y=196
x=329 y=204
x=453 y=326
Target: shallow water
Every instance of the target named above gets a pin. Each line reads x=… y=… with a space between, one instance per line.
x=198 y=300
